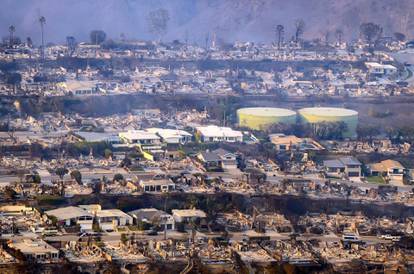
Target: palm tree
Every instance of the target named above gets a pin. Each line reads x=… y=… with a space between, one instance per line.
x=61 y=172
x=299 y=29
x=12 y=29
x=42 y=21
x=280 y=29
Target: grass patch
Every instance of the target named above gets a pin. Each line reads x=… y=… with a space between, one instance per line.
x=133 y=228
x=376 y=180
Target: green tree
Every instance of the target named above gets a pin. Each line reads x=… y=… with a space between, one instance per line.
x=53 y=220
x=143 y=226
x=367 y=132
x=280 y=29
x=299 y=29
x=124 y=238
x=61 y=172
x=118 y=177
x=370 y=32
x=9 y=193
x=96 y=187
x=76 y=175
x=339 y=33
x=95 y=225
x=107 y=153
x=33 y=178
x=97 y=37
x=37 y=179
x=399 y=36
x=71 y=44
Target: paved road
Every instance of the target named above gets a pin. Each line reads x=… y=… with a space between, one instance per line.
x=406 y=56
x=277 y=177
x=234 y=236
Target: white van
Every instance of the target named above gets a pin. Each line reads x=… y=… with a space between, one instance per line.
x=350 y=237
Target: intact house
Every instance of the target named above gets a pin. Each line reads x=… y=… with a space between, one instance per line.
x=172 y=136
x=213 y=133
x=72 y=216
x=291 y=142
x=219 y=158
x=153 y=217
x=157 y=185
x=188 y=215
x=344 y=166
x=84 y=215
x=35 y=250
x=147 y=140
x=95 y=137
x=390 y=169
x=380 y=70
x=111 y=219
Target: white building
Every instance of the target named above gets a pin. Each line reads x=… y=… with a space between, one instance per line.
x=390 y=169
x=186 y=215
x=171 y=136
x=72 y=215
x=36 y=250
x=158 y=185
x=147 y=140
x=347 y=166
x=153 y=216
x=110 y=219
x=96 y=137
x=213 y=133
x=380 y=69
x=83 y=215
x=140 y=137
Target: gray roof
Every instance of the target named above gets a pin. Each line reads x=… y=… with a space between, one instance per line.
x=210 y=156
x=342 y=162
x=69 y=212
x=333 y=164
x=221 y=152
x=349 y=160
x=146 y=213
x=97 y=136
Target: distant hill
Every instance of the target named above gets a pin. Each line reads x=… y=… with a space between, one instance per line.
x=256 y=19
x=228 y=19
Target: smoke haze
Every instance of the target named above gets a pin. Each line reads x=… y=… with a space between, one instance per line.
x=229 y=20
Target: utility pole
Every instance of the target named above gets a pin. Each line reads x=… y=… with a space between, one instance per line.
x=165 y=219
